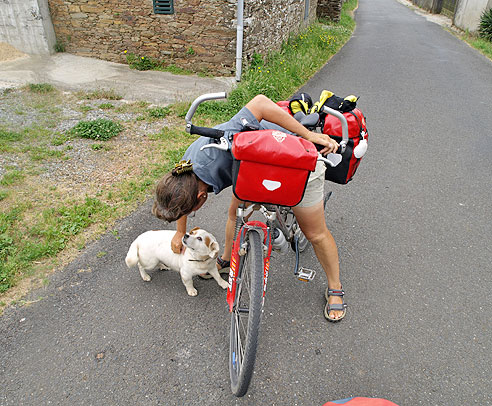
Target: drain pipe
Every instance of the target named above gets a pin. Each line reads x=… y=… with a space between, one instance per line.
x=239 y=39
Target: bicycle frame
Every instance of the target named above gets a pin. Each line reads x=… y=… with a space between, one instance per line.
x=239 y=246
x=274 y=218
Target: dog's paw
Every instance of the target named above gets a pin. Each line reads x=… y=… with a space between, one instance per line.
x=163 y=267
x=224 y=284
x=192 y=292
x=146 y=278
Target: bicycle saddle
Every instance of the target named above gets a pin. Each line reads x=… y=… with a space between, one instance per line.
x=309 y=120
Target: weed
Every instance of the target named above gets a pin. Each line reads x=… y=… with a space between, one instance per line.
x=7 y=138
x=190 y=51
x=12 y=177
x=41 y=88
x=42 y=153
x=106 y=106
x=85 y=108
x=101 y=129
x=97 y=147
x=105 y=94
x=59 y=46
x=3 y=194
x=158 y=112
x=141 y=62
x=59 y=139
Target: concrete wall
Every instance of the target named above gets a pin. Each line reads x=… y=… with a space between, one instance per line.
x=200 y=35
x=26 y=25
x=468 y=13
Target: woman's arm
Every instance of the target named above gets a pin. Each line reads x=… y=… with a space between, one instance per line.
x=265 y=109
x=177 y=241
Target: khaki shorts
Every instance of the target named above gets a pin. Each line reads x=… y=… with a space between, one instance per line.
x=315 y=187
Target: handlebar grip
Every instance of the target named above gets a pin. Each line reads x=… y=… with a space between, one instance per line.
x=206 y=132
x=319 y=147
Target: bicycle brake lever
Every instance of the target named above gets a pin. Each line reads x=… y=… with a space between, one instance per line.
x=331 y=159
x=224 y=145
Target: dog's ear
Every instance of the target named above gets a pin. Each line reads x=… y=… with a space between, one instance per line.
x=214 y=249
x=192 y=231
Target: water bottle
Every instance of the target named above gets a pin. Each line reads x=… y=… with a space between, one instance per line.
x=279 y=243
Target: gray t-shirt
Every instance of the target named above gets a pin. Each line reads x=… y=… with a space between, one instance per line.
x=214 y=166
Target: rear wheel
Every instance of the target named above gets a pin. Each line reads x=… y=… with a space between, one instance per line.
x=246 y=315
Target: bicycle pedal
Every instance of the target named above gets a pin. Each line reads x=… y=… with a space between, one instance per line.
x=306 y=275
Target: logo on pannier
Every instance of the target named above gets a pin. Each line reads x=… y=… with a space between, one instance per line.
x=271 y=185
x=279 y=136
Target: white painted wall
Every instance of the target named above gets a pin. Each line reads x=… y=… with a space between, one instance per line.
x=468 y=13
x=26 y=25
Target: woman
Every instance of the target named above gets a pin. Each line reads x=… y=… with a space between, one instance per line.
x=185 y=189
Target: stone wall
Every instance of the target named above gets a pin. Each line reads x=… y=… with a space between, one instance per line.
x=329 y=9
x=433 y=6
x=200 y=35
x=26 y=25
x=267 y=23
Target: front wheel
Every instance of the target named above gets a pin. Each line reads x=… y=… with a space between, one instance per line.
x=246 y=315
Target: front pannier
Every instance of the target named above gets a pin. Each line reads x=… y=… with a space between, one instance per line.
x=271 y=166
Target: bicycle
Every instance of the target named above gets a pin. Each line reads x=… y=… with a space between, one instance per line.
x=250 y=260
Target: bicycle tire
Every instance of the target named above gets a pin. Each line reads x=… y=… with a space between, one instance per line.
x=246 y=315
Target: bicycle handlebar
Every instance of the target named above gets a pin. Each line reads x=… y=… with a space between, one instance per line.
x=217 y=134
x=343 y=121
x=206 y=131
x=194 y=105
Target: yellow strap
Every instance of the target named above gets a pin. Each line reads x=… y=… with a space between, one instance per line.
x=299 y=105
x=325 y=95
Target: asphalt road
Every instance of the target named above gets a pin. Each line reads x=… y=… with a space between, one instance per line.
x=413 y=230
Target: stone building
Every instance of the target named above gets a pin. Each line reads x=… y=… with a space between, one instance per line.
x=199 y=35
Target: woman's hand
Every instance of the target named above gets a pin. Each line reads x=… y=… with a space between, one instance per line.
x=330 y=145
x=177 y=242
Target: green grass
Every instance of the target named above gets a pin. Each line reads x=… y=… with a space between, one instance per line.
x=480 y=44
x=12 y=177
x=48 y=235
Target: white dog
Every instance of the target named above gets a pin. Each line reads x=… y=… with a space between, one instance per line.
x=153 y=248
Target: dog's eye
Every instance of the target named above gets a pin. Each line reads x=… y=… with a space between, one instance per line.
x=199 y=238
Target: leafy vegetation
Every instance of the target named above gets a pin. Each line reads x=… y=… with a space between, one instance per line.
x=101 y=129
x=485 y=27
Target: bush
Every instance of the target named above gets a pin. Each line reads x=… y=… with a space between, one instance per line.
x=485 y=28
x=100 y=129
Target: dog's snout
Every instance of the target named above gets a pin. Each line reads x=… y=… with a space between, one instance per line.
x=186 y=236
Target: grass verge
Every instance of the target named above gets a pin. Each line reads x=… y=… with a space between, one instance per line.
x=480 y=44
x=44 y=223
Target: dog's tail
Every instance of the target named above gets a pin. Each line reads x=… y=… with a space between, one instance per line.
x=132 y=256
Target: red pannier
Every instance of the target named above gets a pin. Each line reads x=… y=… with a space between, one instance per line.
x=271 y=166
x=356 y=146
